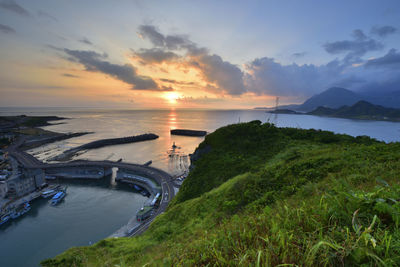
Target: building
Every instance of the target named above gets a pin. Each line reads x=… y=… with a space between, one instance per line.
x=24 y=183
x=3 y=189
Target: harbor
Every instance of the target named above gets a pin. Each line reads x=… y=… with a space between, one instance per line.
x=27 y=178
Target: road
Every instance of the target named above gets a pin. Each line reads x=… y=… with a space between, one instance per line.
x=160 y=176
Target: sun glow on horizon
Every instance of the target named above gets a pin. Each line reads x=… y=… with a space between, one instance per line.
x=171 y=97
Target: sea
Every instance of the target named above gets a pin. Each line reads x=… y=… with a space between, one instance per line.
x=93 y=210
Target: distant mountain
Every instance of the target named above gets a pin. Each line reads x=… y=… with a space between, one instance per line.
x=334 y=97
x=284 y=111
x=337 y=97
x=360 y=110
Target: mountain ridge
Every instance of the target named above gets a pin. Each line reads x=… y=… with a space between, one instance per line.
x=336 y=97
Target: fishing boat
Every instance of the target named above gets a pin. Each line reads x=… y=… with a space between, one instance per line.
x=50 y=192
x=58 y=197
x=21 y=210
x=137 y=188
x=4 y=219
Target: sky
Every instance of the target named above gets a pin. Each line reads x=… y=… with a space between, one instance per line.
x=193 y=54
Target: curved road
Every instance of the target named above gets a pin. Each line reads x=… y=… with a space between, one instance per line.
x=162 y=177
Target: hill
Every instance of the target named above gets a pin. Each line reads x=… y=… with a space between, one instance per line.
x=334 y=97
x=262 y=196
x=360 y=110
x=337 y=97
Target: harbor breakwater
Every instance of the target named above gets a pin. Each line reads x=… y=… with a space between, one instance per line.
x=104 y=142
x=188 y=132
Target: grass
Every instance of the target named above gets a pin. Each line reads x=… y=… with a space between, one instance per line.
x=265 y=196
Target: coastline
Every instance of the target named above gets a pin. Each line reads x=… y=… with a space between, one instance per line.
x=25 y=160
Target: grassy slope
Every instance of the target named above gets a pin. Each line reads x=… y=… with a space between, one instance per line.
x=265 y=196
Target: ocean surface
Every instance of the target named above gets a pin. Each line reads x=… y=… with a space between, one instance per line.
x=94 y=210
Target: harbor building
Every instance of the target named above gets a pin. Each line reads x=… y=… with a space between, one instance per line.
x=22 y=183
x=3 y=189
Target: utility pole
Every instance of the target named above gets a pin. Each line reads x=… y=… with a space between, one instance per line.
x=276 y=113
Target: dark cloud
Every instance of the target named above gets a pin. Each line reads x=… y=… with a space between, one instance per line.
x=171 y=42
x=355 y=48
x=390 y=60
x=228 y=77
x=70 y=75
x=86 y=41
x=384 y=86
x=383 y=31
x=177 y=82
x=150 y=32
x=266 y=76
x=53 y=47
x=12 y=6
x=45 y=15
x=167 y=88
x=154 y=55
x=349 y=82
x=299 y=54
x=96 y=62
x=359 y=35
x=6 y=29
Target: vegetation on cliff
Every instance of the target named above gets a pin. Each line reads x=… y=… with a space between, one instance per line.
x=260 y=195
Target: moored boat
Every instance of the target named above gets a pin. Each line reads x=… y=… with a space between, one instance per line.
x=50 y=192
x=21 y=210
x=4 y=219
x=58 y=197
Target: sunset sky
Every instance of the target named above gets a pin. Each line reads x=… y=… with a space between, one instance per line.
x=193 y=54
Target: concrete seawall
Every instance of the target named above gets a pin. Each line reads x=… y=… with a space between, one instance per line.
x=126 y=176
x=105 y=142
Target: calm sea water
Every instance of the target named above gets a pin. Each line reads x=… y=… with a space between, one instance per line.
x=47 y=231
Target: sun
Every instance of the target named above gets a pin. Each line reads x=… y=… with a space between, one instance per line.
x=171 y=97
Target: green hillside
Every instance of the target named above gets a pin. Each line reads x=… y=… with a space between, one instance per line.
x=260 y=196
x=360 y=110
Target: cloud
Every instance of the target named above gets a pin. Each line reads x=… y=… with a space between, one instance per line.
x=227 y=77
x=390 y=60
x=299 y=54
x=383 y=31
x=177 y=82
x=45 y=15
x=150 y=32
x=12 y=6
x=96 y=62
x=266 y=76
x=70 y=75
x=359 y=46
x=6 y=29
x=86 y=41
x=154 y=55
